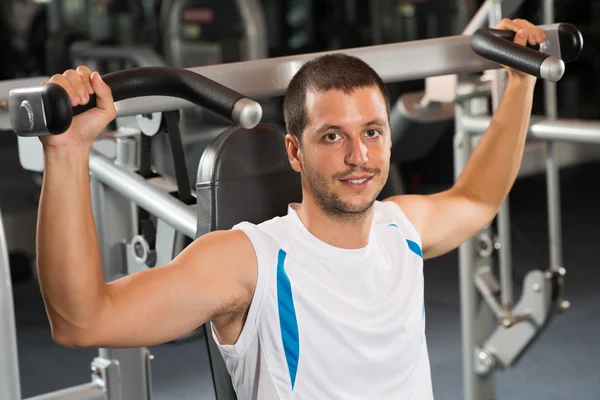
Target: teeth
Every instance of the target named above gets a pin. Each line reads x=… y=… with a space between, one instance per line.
x=357 y=180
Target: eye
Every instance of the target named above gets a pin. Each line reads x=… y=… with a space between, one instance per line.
x=331 y=137
x=373 y=133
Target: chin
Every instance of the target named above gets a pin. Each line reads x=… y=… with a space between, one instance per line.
x=354 y=206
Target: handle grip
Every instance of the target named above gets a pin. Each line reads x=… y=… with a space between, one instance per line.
x=47 y=109
x=570 y=41
x=498 y=46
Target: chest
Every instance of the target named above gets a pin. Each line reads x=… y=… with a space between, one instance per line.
x=335 y=320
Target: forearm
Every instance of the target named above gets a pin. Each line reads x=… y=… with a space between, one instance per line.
x=68 y=256
x=494 y=164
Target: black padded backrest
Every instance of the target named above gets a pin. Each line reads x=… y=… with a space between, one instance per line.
x=245 y=175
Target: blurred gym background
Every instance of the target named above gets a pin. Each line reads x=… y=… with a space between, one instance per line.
x=41 y=38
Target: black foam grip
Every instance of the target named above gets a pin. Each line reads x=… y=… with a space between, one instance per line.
x=571 y=42
x=498 y=46
x=57 y=108
x=172 y=82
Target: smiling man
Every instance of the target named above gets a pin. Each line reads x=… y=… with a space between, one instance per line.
x=323 y=303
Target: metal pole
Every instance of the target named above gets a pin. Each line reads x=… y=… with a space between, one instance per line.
x=10 y=386
x=475 y=386
x=478 y=19
x=552 y=172
x=466 y=257
x=579 y=131
x=135 y=188
x=503 y=218
x=475 y=323
x=256 y=44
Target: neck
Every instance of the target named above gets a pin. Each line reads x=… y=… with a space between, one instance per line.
x=345 y=233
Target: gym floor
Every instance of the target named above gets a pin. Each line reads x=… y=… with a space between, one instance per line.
x=562 y=363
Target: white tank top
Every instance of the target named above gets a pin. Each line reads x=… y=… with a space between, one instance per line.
x=332 y=323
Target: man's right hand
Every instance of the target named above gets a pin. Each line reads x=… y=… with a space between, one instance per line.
x=80 y=84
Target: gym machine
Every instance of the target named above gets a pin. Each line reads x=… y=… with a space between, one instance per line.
x=117 y=182
x=488 y=347
x=203 y=32
x=419 y=119
x=496 y=330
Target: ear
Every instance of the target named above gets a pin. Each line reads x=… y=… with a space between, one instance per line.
x=292 y=146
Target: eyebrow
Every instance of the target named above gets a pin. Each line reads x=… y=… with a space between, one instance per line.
x=376 y=122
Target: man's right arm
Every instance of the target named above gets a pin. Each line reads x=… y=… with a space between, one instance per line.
x=212 y=279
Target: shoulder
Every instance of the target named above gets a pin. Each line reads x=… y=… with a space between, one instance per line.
x=219 y=243
x=393 y=214
x=267 y=235
x=243 y=236
x=241 y=250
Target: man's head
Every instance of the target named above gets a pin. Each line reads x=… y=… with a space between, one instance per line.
x=336 y=112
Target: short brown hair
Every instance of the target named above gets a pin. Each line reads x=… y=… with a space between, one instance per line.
x=335 y=71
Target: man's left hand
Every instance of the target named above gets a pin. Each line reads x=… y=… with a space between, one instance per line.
x=526 y=32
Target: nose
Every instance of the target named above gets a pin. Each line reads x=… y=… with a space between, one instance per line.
x=357 y=152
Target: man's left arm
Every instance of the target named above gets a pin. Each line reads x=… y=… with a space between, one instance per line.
x=447 y=219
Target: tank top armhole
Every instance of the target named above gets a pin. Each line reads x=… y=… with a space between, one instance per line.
x=251 y=324
x=397 y=211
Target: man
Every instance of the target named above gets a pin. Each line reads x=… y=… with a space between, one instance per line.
x=324 y=303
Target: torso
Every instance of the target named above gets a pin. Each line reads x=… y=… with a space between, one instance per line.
x=334 y=323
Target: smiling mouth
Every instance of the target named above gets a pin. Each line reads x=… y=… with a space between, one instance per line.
x=357 y=183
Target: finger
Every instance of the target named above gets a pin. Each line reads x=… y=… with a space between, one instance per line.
x=536 y=35
x=541 y=35
x=85 y=74
x=104 y=97
x=508 y=25
x=64 y=82
x=78 y=85
x=535 y=31
x=521 y=37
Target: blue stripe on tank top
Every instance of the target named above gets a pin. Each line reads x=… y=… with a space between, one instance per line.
x=287 y=318
x=413 y=246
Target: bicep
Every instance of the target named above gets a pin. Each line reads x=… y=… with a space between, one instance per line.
x=211 y=277
x=445 y=220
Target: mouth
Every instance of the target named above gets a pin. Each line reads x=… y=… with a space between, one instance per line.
x=357 y=182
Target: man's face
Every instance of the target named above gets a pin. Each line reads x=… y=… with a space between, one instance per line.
x=344 y=151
